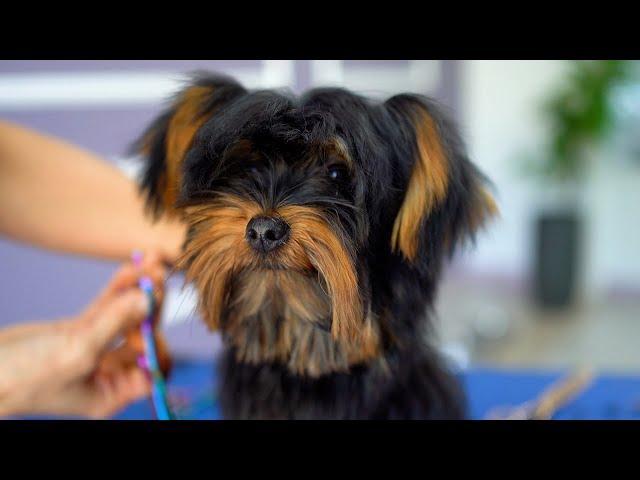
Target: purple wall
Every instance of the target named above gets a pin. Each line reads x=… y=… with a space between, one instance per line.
x=106 y=131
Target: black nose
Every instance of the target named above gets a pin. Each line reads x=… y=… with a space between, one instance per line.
x=266 y=233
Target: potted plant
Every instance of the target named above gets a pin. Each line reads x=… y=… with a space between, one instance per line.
x=580 y=115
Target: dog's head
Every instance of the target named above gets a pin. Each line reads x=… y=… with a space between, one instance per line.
x=306 y=214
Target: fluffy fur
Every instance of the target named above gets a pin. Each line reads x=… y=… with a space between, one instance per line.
x=335 y=322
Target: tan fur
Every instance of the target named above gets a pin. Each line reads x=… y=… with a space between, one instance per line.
x=337 y=148
x=484 y=209
x=272 y=320
x=427 y=186
x=183 y=125
x=182 y=128
x=272 y=314
x=311 y=236
x=216 y=250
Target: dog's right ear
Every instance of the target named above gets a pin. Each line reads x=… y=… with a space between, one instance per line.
x=167 y=140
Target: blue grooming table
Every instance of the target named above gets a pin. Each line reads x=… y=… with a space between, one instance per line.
x=192 y=385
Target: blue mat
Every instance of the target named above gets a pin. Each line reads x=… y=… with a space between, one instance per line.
x=609 y=397
x=192 y=386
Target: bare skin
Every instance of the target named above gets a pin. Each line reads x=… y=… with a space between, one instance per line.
x=73 y=366
x=57 y=196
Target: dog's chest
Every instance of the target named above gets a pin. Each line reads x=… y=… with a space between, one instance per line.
x=285 y=317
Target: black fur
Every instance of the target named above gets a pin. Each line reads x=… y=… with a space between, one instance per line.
x=409 y=380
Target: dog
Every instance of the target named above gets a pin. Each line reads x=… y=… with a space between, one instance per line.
x=318 y=227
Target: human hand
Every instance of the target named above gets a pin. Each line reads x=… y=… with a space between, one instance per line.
x=73 y=366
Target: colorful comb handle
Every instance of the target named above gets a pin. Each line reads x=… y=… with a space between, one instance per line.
x=149 y=362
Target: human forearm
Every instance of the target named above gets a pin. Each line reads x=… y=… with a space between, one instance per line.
x=58 y=196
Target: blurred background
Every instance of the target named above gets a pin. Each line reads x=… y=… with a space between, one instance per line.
x=552 y=284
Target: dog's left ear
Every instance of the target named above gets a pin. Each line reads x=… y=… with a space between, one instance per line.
x=446 y=198
x=168 y=139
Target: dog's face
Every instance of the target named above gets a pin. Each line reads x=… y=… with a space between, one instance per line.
x=310 y=219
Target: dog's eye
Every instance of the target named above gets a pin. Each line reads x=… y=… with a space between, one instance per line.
x=337 y=173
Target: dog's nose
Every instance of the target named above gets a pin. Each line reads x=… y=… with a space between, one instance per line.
x=266 y=233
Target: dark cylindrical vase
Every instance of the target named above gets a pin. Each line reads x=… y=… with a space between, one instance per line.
x=556 y=259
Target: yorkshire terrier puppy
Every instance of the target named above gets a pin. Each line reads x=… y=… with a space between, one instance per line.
x=318 y=227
